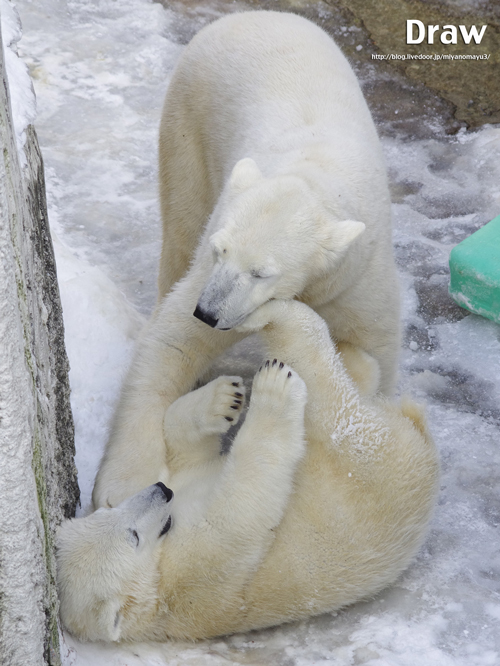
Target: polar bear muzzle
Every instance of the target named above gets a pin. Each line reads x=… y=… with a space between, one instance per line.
x=205 y=317
x=233 y=292
x=166 y=491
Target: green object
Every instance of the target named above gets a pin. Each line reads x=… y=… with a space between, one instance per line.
x=475 y=271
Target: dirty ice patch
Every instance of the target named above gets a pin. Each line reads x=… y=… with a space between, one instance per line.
x=475 y=343
x=453 y=179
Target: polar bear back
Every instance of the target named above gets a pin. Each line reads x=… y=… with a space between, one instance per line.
x=268 y=84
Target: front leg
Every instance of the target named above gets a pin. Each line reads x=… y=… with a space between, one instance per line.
x=172 y=353
x=194 y=423
x=257 y=479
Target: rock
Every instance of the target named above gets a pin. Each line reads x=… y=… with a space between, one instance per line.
x=38 y=483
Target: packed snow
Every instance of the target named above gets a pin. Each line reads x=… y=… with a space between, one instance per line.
x=100 y=70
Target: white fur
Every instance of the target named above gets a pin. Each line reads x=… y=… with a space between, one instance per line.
x=314 y=507
x=272 y=185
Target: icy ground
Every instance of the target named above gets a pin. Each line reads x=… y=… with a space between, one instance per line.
x=100 y=71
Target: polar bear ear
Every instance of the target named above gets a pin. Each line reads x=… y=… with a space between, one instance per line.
x=341 y=236
x=218 y=242
x=245 y=173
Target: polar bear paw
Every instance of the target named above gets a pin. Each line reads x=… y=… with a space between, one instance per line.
x=279 y=389
x=219 y=405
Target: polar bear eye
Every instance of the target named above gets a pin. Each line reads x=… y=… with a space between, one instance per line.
x=134 y=537
x=256 y=274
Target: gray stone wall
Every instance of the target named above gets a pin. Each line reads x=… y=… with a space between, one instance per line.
x=38 y=483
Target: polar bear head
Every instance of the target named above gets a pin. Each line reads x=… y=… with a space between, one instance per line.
x=274 y=238
x=109 y=558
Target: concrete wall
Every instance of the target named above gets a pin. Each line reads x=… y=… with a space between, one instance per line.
x=38 y=484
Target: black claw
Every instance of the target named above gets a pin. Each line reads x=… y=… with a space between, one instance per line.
x=260 y=368
x=274 y=362
x=281 y=366
x=239 y=395
x=229 y=418
x=235 y=384
x=237 y=402
x=234 y=407
x=267 y=363
x=289 y=374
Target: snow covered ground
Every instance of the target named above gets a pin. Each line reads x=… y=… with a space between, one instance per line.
x=100 y=70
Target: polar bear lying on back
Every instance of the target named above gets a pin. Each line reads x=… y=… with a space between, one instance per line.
x=313 y=508
x=272 y=185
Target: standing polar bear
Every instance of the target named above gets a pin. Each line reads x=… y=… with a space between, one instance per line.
x=273 y=186
x=314 y=507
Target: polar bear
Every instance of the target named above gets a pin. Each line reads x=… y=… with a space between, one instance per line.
x=272 y=185
x=315 y=506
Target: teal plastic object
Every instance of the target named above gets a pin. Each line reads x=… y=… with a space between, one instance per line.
x=475 y=272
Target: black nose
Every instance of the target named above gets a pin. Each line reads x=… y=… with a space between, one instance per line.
x=166 y=491
x=205 y=318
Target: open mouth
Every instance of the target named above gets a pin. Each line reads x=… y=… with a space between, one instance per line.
x=166 y=527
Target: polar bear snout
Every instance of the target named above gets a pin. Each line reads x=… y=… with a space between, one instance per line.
x=205 y=317
x=147 y=515
x=232 y=293
x=166 y=491
x=222 y=298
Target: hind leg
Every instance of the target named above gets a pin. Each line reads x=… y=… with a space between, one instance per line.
x=258 y=474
